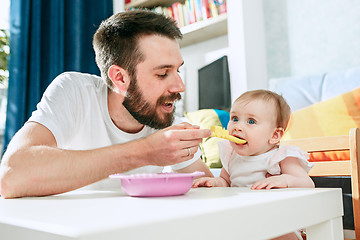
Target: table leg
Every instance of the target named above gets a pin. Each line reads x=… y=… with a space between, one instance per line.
x=330 y=230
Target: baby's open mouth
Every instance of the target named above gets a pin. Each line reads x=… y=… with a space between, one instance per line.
x=241 y=139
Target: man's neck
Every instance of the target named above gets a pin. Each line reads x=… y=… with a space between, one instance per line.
x=120 y=116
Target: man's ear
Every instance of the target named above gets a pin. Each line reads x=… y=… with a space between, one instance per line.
x=120 y=78
x=277 y=135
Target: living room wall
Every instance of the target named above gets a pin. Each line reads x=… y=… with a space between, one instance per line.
x=196 y=56
x=311 y=37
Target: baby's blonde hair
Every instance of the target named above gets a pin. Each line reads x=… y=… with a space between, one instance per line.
x=283 y=110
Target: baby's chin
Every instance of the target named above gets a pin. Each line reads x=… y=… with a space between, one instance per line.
x=240 y=149
x=245 y=150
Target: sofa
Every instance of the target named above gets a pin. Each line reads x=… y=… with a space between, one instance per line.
x=325 y=104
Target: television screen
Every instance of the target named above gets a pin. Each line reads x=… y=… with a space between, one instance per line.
x=214 y=85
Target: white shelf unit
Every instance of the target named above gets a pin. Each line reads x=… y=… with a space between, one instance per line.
x=244 y=27
x=204 y=30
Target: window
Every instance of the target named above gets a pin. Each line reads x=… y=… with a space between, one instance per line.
x=4 y=53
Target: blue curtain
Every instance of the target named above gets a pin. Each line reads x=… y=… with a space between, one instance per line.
x=48 y=37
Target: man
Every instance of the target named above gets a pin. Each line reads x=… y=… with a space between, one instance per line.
x=86 y=127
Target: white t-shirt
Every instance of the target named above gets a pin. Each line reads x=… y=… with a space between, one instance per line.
x=244 y=171
x=74 y=108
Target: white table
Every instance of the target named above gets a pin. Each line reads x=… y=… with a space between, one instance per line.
x=204 y=213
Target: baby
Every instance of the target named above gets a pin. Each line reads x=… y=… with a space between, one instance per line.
x=260 y=117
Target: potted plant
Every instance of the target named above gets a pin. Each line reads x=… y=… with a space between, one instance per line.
x=4 y=53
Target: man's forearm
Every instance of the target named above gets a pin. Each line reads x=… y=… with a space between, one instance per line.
x=43 y=170
x=34 y=166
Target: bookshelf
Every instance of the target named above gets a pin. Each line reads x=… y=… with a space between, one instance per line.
x=204 y=30
x=149 y=3
x=194 y=33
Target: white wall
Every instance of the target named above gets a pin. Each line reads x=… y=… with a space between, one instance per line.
x=195 y=57
x=118 y=6
x=4 y=14
x=305 y=37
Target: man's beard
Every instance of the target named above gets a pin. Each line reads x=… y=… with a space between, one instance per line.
x=143 y=112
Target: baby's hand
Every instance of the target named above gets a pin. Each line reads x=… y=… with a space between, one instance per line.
x=204 y=182
x=278 y=181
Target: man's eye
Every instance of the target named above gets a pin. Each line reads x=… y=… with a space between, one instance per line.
x=162 y=75
x=251 y=121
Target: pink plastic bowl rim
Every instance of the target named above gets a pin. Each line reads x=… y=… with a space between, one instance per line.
x=156 y=184
x=156 y=175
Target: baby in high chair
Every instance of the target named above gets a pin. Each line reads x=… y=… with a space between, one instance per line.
x=260 y=117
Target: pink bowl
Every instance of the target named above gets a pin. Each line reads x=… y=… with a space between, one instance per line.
x=156 y=185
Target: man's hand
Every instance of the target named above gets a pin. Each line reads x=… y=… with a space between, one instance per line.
x=174 y=144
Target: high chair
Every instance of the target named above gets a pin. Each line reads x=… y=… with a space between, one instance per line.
x=345 y=167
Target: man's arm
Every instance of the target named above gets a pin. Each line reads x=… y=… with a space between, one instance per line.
x=34 y=166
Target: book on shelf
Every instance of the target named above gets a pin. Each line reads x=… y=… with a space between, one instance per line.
x=205 y=9
x=190 y=11
x=198 y=11
x=181 y=21
x=175 y=12
x=213 y=9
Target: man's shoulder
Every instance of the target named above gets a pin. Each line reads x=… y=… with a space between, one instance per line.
x=77 y=78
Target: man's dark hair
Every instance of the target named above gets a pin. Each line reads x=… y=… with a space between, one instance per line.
x=116 y=40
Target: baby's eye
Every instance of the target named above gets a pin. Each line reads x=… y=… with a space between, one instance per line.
x=251 y=121
x=234 y=119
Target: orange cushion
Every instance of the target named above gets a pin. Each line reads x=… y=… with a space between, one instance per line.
x=332 y=117
x=329 y=156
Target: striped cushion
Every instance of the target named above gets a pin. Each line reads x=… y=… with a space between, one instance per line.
x=329 y=118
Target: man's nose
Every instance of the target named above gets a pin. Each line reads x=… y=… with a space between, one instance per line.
x=177 y=85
